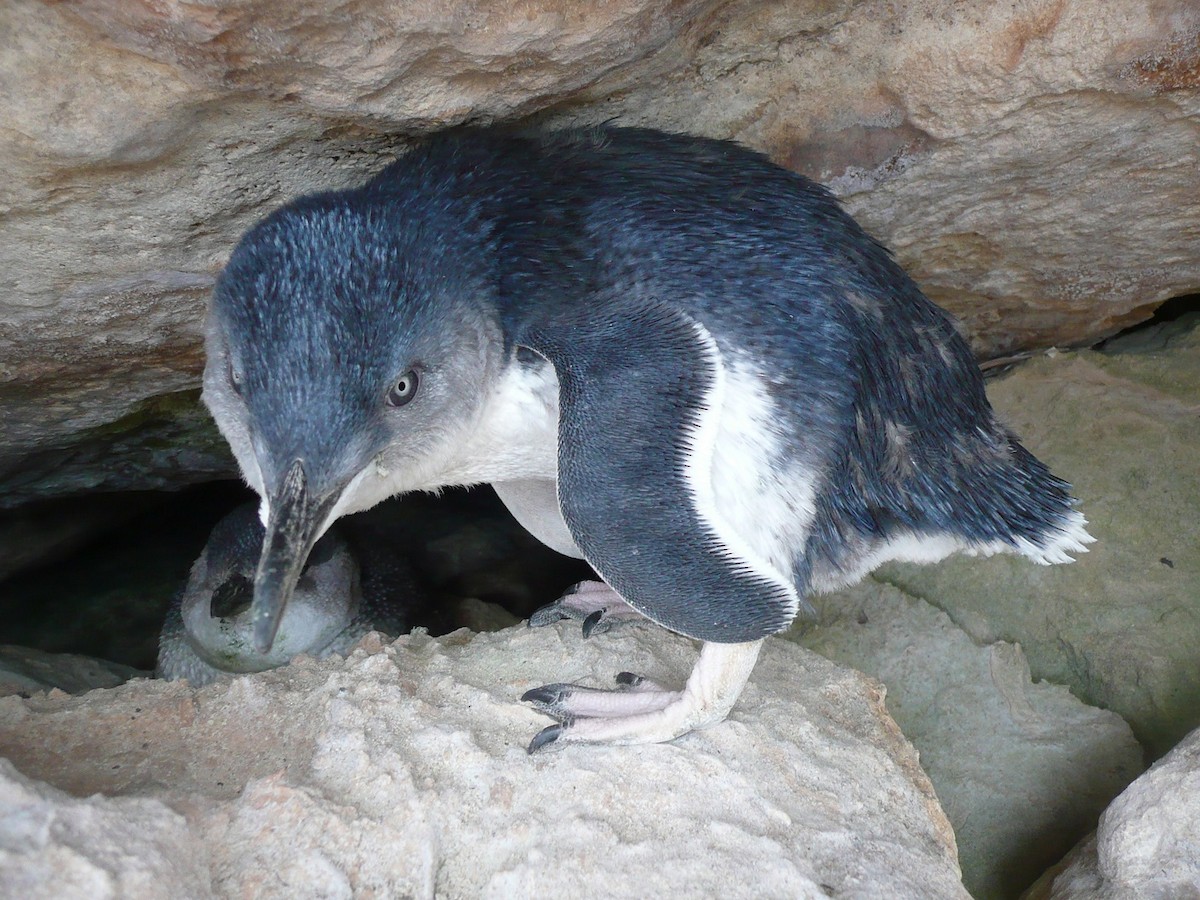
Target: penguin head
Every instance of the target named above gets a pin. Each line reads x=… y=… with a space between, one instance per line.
x=215 y=603
x=349 y=342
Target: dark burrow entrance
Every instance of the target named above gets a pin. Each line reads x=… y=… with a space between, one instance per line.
x=108 y=596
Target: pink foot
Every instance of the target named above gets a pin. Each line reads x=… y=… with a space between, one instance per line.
x=594 y=603
x=640 y=711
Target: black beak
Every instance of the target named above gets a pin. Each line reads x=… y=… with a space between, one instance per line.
x=296 y=517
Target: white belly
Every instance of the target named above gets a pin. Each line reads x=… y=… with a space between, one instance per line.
x=534 y=503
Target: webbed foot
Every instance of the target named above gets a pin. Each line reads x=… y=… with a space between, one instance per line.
x=640 y=711
x=593 y=603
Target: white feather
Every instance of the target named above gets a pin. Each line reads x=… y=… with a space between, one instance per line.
x=1057 y=546
x=757 y=503
x=908 y=547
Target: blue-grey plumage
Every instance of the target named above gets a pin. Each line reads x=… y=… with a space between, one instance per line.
x=347 y=589
x=670 y=356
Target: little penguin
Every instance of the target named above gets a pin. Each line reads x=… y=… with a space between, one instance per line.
x=669 y=356
x=341 y=595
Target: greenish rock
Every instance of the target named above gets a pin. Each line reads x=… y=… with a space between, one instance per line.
x=1023 y=770
x=1120 y=627
x=165 y=443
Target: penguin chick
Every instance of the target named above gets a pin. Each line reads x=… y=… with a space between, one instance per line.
x=669 y=356
x=208 y=632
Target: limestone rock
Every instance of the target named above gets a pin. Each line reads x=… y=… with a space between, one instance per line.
x=401 y=771
x=1120 y=626
x=1023 y=770
x=56 y=846
x=1148 y=843
x=24 y=670
x=133 y=171
x=995 y=147
x=1017 y=157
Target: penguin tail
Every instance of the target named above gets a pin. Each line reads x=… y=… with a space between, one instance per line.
x=1037 y=514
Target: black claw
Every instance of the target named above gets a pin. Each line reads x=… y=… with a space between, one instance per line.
x=629 y=679
x=546 y=695
x=592 y=622
x=544 y=738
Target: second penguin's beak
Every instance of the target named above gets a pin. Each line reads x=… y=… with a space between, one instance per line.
x=297 y=519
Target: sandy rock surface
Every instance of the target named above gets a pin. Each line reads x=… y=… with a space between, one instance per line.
x=402 y=771
x=1032 y=164
x=1148 y=842
x=1022 y=769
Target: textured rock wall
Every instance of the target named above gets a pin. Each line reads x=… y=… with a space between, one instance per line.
x=401 y=772
x=1032 y=163
x=1147 y=843
x=1022 y=769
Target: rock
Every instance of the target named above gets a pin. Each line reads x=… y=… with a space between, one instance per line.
x=56 y=846
x=963 y=136
x=157 y=444
x=132 y=172
x=1023 y=770
x=402 y=771
x=478 y=615
x=1121 y=625
x=24 y=670
x=1147 y=844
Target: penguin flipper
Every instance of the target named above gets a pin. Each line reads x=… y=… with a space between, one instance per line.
x=639 y=410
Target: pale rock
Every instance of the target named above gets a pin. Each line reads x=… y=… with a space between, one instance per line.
x=54 y=846
x=1147 y=846
x=131 y=173
x=402 y=771
x=1022 y=769
x=1031 y=164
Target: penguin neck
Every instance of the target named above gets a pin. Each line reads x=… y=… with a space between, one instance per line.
x=515 y=436
x=512 y=436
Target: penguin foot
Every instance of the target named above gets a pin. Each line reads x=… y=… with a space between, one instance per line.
x=640 y=711
x=567 y=702
x=593 y=603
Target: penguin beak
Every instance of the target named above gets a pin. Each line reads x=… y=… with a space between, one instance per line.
x=297 y=520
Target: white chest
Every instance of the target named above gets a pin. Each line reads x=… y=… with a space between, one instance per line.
x=513 y=436
x=516 y=434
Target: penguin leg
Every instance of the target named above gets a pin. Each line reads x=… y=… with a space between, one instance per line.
x=677 y=487
x=642 y=712
x=593 y=603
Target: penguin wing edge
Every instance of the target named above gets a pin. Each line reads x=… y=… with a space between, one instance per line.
x=634 y=388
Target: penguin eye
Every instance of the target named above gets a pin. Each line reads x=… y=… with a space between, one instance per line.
x=403 y=389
